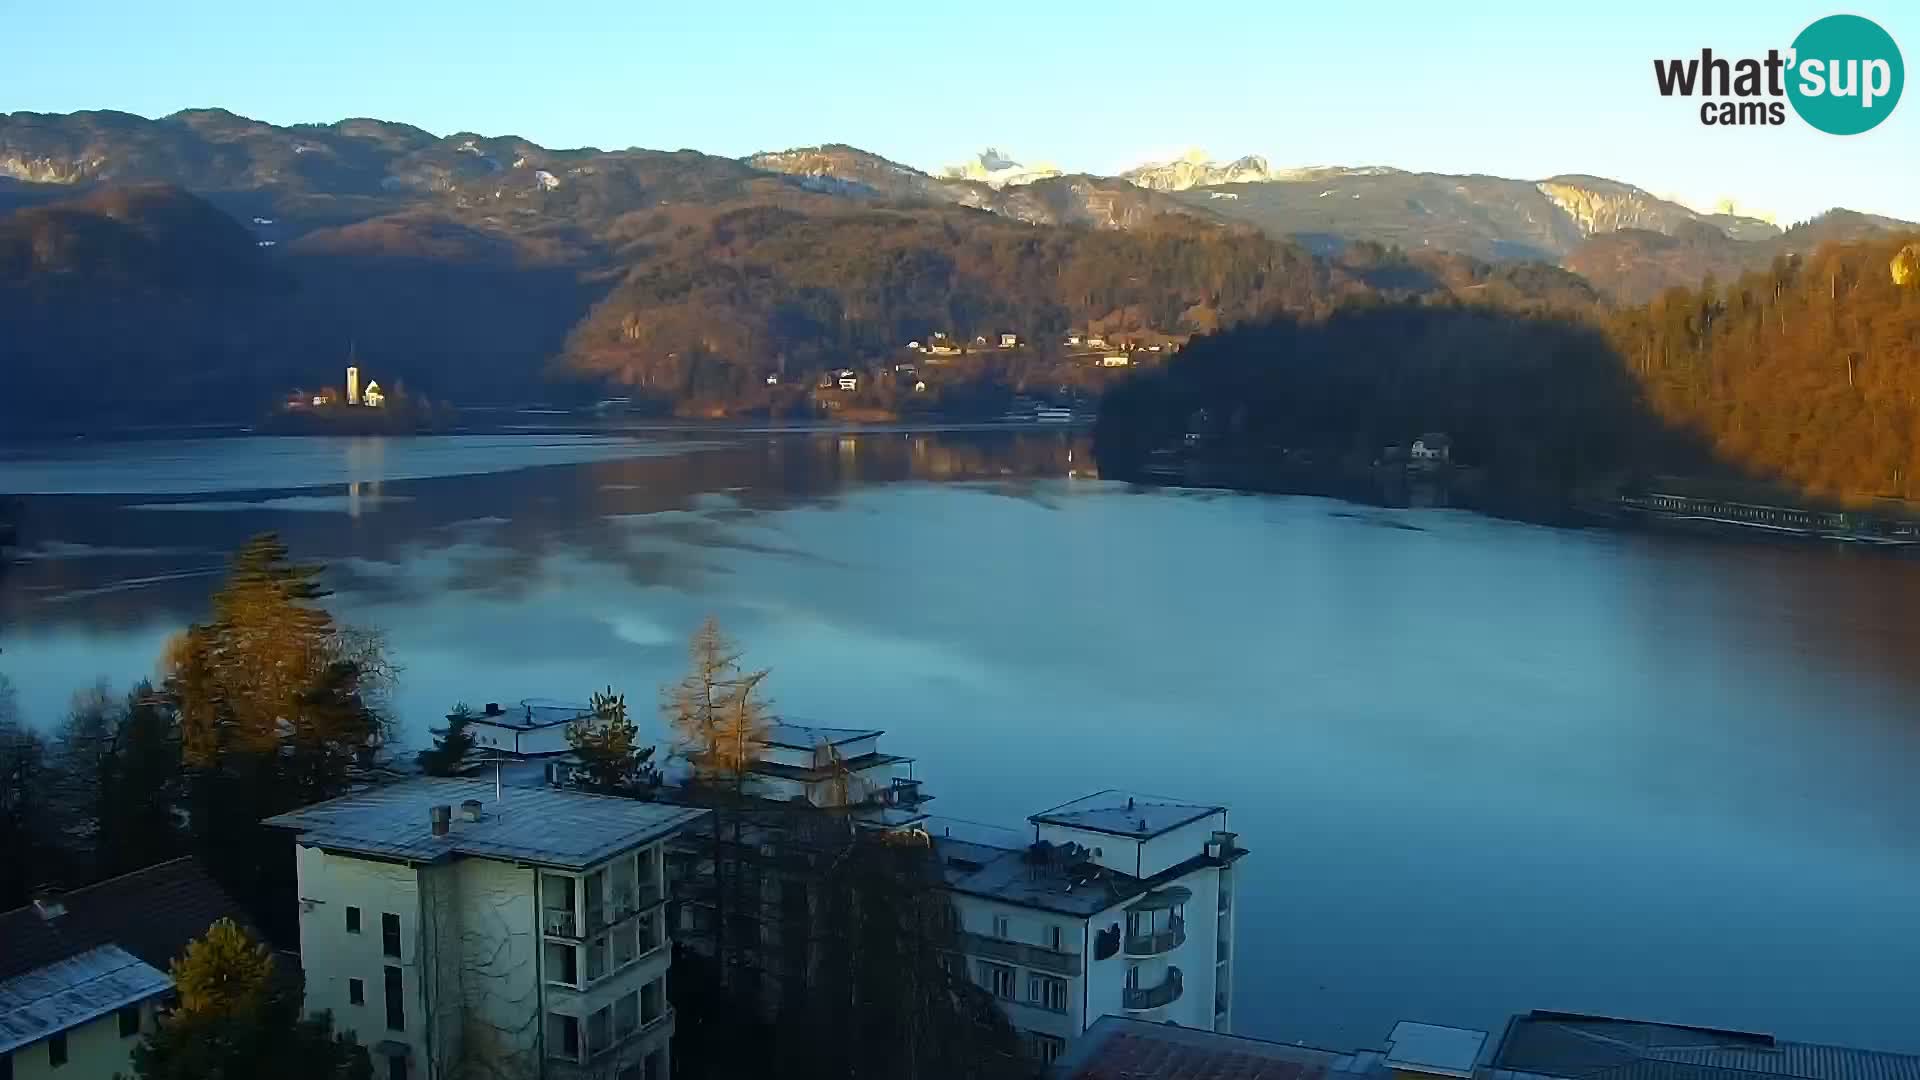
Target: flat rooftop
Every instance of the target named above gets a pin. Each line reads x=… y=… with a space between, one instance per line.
x=998 y=864
x=1581 y=1047
x=543 y=826
x=797 y=736
x=1431 y=1048
x=533 y=714
x=1121 y=1048
x=70 y=992
x=1125 y=813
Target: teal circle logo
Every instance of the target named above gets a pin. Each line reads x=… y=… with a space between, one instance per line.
x=1846 y=75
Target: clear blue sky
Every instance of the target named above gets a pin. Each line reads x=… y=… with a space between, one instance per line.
x=1511 y=89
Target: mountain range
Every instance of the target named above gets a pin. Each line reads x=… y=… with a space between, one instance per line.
x=472 y=259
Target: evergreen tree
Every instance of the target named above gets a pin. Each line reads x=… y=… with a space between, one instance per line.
x=612 y=761
x=239 y=1019
x=450 y=744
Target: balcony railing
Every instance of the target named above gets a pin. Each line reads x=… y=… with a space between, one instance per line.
x=559 y=923
x=1158 y=942
x=1014 y=952
x=1135 y=999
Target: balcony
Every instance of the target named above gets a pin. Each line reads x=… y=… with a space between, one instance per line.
x=557 y=922
x=1013 y=952
x=1160 y=941
x=1142 y=999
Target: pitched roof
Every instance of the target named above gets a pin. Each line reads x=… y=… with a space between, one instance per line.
x=151 y=913
x=70 y=992
x=541 y=825
x=1604 y=1048
x=1120 y=1048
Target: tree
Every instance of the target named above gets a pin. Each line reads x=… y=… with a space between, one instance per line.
x=240 y=1018
x=27 y=831
x=720 y=723
x=715 y=711
x=275 y=706
x=450 y=744
x=612 y=761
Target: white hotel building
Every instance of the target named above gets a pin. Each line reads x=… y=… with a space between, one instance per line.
x=1120 y=904
x=1117 y=903
x=449 y=922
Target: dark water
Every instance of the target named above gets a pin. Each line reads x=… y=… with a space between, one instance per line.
x=1483 y=766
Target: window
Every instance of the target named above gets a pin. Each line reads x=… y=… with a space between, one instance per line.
x=563 y=964
x=596 y=897
x=57 y=1050
x=1045 y=1048
x=129 y=1021
x=652 y=1002
x=597 y=959
x=624 y=941
x=563 y=1034
x=655 y=1065
x=1000 y=927
x=396 y=1006
x=998 y=978
x=626 y=1015
x=390 y=934
x=356 y=992
x=353 y=920
x=396 y=1068
x=1053 y=938
x=600 y=1030
x=1047 y=992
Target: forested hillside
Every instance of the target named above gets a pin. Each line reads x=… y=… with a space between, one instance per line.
x=1808 y=372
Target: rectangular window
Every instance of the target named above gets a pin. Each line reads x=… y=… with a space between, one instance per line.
x=390 y=934
x=625 y=944
x=998 y=979
x=596 y=898
x=600 y=1030
x=597 y=959
x=1053 y=938
x=564 y=1036
x=563 y=964
x=1000 y=927
x=1047 y=1048
x=655 y=1062
x=626 y=1015
x=129 y=1021
x=353 y=920
x=396 y=1005
x=652 y=1002
x=356 y=992
x=396 y=1068
x=57 y=1051
x=1047 y=992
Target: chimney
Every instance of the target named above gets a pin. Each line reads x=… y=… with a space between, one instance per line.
x=470 y=810
x=493 y=709
x=442 y=818
x=1129 y=802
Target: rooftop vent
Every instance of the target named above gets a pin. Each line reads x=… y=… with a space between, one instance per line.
x=442 y=818
x=493 y=709
x=470 y=810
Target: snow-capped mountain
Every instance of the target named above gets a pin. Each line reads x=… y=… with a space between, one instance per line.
x=1196 y=169
x=995 y=169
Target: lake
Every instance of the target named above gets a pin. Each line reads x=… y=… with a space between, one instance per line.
x=1483 y=766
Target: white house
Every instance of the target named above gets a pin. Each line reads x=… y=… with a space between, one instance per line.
x=1120 y=904
x=849 y=381
x=536 y=727
x=1434 y=447
x=520 y=928
x=83 y=974
x=373 y=397
x=807 y=761
x=1009 y=341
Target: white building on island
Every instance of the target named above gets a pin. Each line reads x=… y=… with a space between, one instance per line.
x=459 y=928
